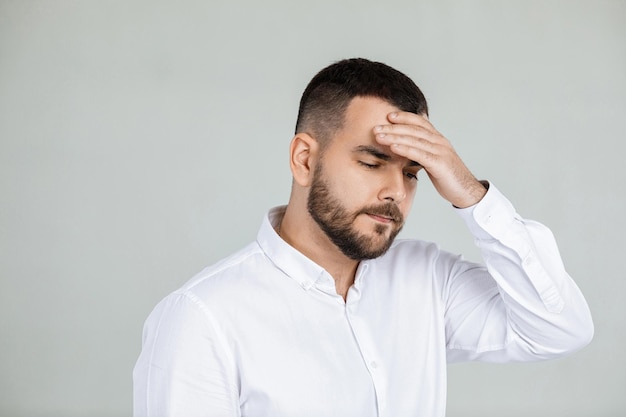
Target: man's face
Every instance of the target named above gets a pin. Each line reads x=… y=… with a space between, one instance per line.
x=361 y=192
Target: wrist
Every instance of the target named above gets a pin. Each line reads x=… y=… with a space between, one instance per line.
x=474 y=193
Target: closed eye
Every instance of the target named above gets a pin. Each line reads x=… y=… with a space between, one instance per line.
x=411 y=176
x=369 y=166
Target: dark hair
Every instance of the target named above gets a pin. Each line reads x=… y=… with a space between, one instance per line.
x=325 y=99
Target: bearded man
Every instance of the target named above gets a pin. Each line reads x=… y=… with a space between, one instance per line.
x=326 y=313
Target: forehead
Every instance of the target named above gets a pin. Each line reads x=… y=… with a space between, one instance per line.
x=362 y=114
x=356 y=137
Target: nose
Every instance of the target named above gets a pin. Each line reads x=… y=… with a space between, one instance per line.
x=394 y=188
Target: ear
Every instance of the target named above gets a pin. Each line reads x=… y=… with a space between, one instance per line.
x=303 y=155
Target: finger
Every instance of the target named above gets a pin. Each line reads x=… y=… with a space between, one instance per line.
x=410 y=135
x=392 y=130
x=403 y=117
x=422 y=156
x=404 y=129
x=403 y=121
x=407 y=138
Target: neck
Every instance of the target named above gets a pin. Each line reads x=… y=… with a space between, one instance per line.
x=303 y=233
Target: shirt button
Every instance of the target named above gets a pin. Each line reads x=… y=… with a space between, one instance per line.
x=373 y=365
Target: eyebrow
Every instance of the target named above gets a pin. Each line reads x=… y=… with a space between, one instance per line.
x=377 y=153
x=372 y=150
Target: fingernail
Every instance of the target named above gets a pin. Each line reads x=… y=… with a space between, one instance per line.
x=393 y=115
x=378 y=128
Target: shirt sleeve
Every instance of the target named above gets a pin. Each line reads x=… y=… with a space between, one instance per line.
x=184 y=368
x=521 y=305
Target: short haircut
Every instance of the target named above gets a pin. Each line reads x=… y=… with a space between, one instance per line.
x=325 y=100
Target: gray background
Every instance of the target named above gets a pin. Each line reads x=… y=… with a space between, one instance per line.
x=141 y=141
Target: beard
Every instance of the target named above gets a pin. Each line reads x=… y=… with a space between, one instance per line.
x=338 y=223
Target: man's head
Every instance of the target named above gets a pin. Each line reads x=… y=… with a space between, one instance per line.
x=352 y=190
x=326 y=98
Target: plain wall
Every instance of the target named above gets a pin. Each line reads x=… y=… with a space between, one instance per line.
x=142 y=141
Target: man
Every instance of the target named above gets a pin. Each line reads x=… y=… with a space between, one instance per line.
x=325 y=314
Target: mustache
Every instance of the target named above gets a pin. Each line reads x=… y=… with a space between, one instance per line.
x=389 y=210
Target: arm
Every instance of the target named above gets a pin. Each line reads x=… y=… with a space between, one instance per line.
x=523 y=305
x=184 y=368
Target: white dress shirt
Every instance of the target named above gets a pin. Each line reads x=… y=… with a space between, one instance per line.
x=263 y=332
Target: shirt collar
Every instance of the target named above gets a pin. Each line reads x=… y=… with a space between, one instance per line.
x=284 y=256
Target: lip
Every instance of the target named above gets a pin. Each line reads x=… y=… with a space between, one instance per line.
x=380 y=219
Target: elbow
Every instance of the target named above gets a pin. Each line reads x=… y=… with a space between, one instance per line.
x=573 y=328
x=581 y=330
x=584 y=335
x=574 y=337
x=560 y=339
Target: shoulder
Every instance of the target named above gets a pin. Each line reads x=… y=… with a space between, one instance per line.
x=233 y=270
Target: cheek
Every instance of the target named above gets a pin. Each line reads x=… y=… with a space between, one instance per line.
x=356 y=190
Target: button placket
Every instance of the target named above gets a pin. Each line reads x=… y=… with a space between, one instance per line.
x=368 y=350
